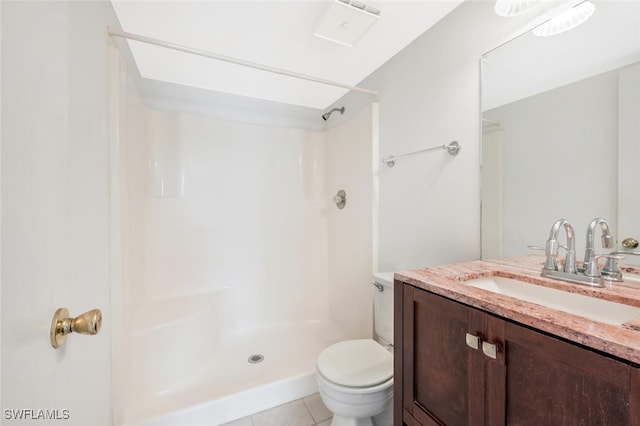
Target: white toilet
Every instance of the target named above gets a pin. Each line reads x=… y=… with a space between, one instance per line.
x=355 y=377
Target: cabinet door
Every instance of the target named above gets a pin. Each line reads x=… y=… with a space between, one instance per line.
x=552 y=382
x=443 y=378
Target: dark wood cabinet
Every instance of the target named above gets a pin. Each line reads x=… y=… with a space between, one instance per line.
x=457 y=365
x=440 y=375
x=550 y=381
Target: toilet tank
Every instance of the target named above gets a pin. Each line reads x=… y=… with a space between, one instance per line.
x=383 y=307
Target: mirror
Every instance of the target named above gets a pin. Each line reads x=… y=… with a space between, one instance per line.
x=561 y=132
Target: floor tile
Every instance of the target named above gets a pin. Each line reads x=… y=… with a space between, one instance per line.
x=292 y=414
x=245 y=421
x=316 y=407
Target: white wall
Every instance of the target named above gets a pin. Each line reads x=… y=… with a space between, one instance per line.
x=560 y=161
x=351 y=240
x=55 y=206
x=429 y=94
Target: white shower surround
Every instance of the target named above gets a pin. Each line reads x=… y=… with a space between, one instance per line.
x=247 y=254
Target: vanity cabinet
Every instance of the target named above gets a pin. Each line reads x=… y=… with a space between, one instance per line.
x=457 y=365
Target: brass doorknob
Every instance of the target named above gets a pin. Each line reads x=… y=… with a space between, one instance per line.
x=630 y=243
x=61 y=325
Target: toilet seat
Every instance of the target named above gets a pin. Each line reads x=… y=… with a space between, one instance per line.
x=361 y=363
x=340 y=392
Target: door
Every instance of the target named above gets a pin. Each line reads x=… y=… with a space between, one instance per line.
x=443 y=378
x=55 y=220
x=628 y=160
x=549 y=381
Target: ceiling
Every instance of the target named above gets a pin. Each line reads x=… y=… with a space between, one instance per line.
x=274 y=33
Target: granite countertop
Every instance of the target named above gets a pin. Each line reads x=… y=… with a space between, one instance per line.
x=622 y=341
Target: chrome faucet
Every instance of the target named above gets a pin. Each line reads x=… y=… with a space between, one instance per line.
x=569 y=271
x=589 y=273
x=607 y=241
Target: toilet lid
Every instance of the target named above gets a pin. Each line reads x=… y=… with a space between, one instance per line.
x=356 y=363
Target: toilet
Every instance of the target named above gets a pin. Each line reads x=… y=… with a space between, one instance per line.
x=355 y=377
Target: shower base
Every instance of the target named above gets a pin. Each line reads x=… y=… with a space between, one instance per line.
x=235 y=387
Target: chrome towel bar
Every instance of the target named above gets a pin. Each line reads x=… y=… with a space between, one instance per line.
x=453 y=148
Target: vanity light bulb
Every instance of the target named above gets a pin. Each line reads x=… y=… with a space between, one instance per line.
x=566 y=21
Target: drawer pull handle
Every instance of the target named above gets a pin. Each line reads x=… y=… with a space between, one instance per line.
x=490 y=350
x=472 y=341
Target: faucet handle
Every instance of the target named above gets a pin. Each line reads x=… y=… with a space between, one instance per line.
x=611 y=270
x=592 y=268
x=551 y=251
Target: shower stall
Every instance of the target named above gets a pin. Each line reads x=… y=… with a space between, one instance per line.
x=235 y=268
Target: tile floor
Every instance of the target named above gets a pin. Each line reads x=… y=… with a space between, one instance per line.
x=309 y=411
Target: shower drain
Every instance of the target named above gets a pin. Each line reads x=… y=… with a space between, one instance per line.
x=255 y=358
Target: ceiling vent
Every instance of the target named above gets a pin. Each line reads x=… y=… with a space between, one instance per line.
x=346 y=21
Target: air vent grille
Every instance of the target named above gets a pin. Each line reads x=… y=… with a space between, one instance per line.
x=362 y=6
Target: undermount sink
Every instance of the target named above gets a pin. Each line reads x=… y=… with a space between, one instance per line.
x=577 y=304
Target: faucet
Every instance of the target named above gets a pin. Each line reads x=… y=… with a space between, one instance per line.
x=551 y=250
x=569 y=271
x=590 y=273
x=607 y=241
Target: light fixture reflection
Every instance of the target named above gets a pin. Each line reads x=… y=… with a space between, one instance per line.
x=566 y=21
x=509 y=8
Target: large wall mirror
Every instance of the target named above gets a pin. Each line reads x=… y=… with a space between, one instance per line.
x=561 y=132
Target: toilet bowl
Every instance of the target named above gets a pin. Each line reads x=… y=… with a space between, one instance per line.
x=355 y=377
x=355 y=381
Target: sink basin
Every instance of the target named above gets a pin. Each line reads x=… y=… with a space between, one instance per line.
x=577 y=304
